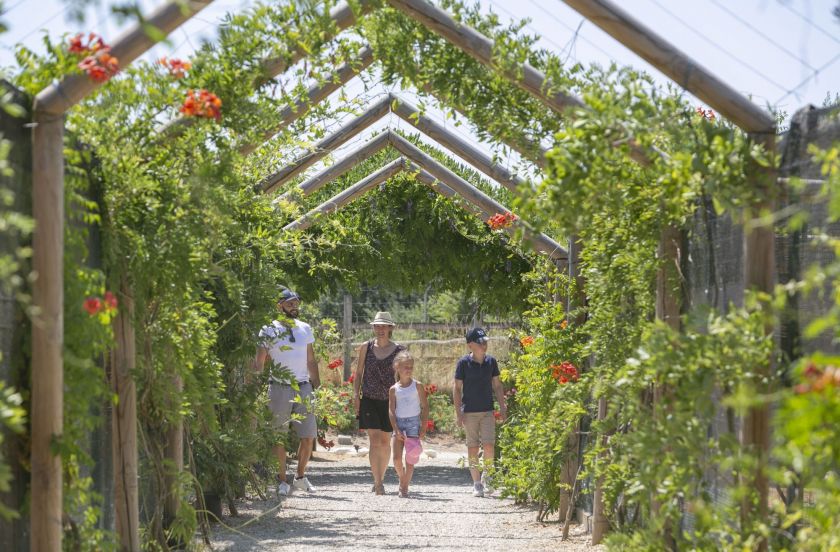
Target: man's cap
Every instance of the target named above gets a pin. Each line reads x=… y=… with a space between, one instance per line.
x=383 y=318
x=413 y=448
x=477 y=335
x=287 y=295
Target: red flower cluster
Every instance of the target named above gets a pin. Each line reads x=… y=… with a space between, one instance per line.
x=324 y=443
x=706 y=113
x=177 y=67
x=526 y=341
x=335 y=364
x=564 y=372
x=94 y=44
x=501 y=220
x=98 y=63
x=818 y=379
x=94 y=304
x=351 y=378
x=497 y=415
x=431 y=388
x=202 y=104
x=430 y=425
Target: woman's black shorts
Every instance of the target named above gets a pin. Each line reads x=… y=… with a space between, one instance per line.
x=373 y=414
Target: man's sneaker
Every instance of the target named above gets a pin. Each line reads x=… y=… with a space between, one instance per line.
x=283 y=489
x=478 y=489
x=303 y=484
x=488 y=490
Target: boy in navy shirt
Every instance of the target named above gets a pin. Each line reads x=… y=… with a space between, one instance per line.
x=476 y=380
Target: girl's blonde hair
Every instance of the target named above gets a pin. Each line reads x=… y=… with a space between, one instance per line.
x=402 y=356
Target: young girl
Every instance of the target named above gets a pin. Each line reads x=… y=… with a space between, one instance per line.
x=408 y=409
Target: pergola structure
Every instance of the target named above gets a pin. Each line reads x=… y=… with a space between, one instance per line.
x=48 y=203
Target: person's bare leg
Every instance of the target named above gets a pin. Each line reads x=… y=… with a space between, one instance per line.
x=304 y=454
x=397 y=447
x=472 y=459
x=280 y=453
x=375 y=436
x=487 y=461
x=409 y=473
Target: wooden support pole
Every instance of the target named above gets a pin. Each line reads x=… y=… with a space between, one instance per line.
x=174 y=456
x=47 y=329
x=346 y=196
x=124 y=422
x=333 y=172
x=347 y=334
x=759 y=275
x=600 y=523
x=455 y=144
x=325 y=146
x=315 y=95
x=679 y=67
x=480 y=47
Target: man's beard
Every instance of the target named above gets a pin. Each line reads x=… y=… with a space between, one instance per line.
x=291 y=313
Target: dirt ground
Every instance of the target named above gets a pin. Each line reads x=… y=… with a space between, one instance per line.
x=441 y=513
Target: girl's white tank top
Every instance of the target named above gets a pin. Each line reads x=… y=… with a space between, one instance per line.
x=408 y=401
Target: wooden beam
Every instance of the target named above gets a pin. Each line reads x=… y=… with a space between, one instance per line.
x=337 y=170
x=346 y=196
x=676 y=65
x=541 y=242
x=525 y=76
x=315 y=95
x=455 y=144
x=528 y=149
x=325 y=146
x=480 y=47
x=343 y=16
x=47 y=329
x=61 y=96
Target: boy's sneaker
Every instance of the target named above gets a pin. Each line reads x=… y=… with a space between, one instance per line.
x=283 y=489
x=488 y=490
x=303 y=484
x=478 y=489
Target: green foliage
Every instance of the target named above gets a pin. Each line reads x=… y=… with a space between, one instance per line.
x=334 y=406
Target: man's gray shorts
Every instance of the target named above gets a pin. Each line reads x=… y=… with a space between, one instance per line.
x=282 y=403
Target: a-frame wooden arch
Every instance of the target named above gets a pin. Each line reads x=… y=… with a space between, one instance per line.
x=51 y=104
x=429 y=171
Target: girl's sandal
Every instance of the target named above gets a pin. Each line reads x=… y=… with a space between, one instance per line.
x=379 y=489
x=403 y=493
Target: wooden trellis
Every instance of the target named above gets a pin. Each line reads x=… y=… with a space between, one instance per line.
x=48 y=203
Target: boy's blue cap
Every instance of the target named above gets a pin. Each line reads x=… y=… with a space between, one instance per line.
x=477 y=335
x=287 y=295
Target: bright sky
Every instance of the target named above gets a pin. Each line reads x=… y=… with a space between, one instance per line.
x=785 y=53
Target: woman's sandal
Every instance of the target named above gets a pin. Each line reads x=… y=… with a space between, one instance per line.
x=403 y=493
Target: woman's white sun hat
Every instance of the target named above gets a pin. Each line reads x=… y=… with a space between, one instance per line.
x=383 y=318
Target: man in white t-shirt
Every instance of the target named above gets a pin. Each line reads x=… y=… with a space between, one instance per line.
x=288 y=342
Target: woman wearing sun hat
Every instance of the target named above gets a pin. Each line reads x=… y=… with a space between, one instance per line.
x=373 y=378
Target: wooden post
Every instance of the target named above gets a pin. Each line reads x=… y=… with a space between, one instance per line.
x=759 y=275
x=347 y=334
x=575 y=300
x=174 y=456
x=47 y=328
x=124 y=421
x=325 y=146
x=600 y=524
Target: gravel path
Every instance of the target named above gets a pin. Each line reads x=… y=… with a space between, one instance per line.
x=344 y=514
